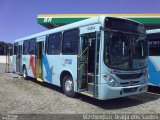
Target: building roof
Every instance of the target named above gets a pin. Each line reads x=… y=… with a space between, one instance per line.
x=151 y=21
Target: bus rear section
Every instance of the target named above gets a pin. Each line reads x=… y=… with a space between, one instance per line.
x=153 y=37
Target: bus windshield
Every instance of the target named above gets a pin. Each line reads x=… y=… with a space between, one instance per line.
x=125 y=51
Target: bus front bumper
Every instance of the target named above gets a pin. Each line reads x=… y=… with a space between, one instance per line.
x=107 y=92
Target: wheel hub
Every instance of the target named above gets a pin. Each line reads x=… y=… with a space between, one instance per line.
x=24 y=73
x=69 y=85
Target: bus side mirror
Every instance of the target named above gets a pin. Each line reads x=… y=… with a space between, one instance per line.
x=123 y=45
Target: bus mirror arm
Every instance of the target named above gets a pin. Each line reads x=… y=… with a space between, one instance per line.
x=82 y=62
x=101 y=28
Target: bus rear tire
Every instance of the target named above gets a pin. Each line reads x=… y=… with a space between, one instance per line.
x=24 y=73
x=68 y=86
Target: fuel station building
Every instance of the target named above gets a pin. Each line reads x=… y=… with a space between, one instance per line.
x=151 y=21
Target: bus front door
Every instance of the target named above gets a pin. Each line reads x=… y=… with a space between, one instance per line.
x=83 y=64
x=19 y=59
x=88 y=63
x=38 y=62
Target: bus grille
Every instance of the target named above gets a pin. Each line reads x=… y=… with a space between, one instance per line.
x=124 y=84
x=129 y=76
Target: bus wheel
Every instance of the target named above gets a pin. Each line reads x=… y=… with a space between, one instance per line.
x=24 y=73
x=68 y=86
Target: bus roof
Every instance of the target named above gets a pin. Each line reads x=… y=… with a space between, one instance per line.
x=85 y=22
x=153 y=31
x=89 y=21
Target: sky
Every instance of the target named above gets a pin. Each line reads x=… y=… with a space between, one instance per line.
x=18 y=18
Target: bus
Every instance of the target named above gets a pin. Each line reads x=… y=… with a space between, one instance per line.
x=101 y=57
x=154 y=57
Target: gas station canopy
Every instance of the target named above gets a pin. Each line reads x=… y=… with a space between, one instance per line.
x=151 y=21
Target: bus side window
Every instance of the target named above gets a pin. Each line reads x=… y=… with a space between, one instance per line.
x=54 y=43
x=15 y=49
x=154 y=45
x=25 y=47
x=70 y=42
x=32 y=47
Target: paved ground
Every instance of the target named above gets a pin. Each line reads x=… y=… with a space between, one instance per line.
x=27 y=96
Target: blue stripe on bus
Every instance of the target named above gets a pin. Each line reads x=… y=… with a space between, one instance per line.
x=154 y=76
x=48 y=69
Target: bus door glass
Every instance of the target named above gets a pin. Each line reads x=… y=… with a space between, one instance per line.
x=19 y=59
x=39 y=50
x=83 y=62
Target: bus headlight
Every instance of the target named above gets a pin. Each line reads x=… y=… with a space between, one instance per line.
x=110 y=81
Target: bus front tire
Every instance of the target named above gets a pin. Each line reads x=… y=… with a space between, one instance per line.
x=68 y=86
x=24 y=73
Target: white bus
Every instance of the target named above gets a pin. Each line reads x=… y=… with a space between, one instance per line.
x=154 y=57
x=101 y=57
